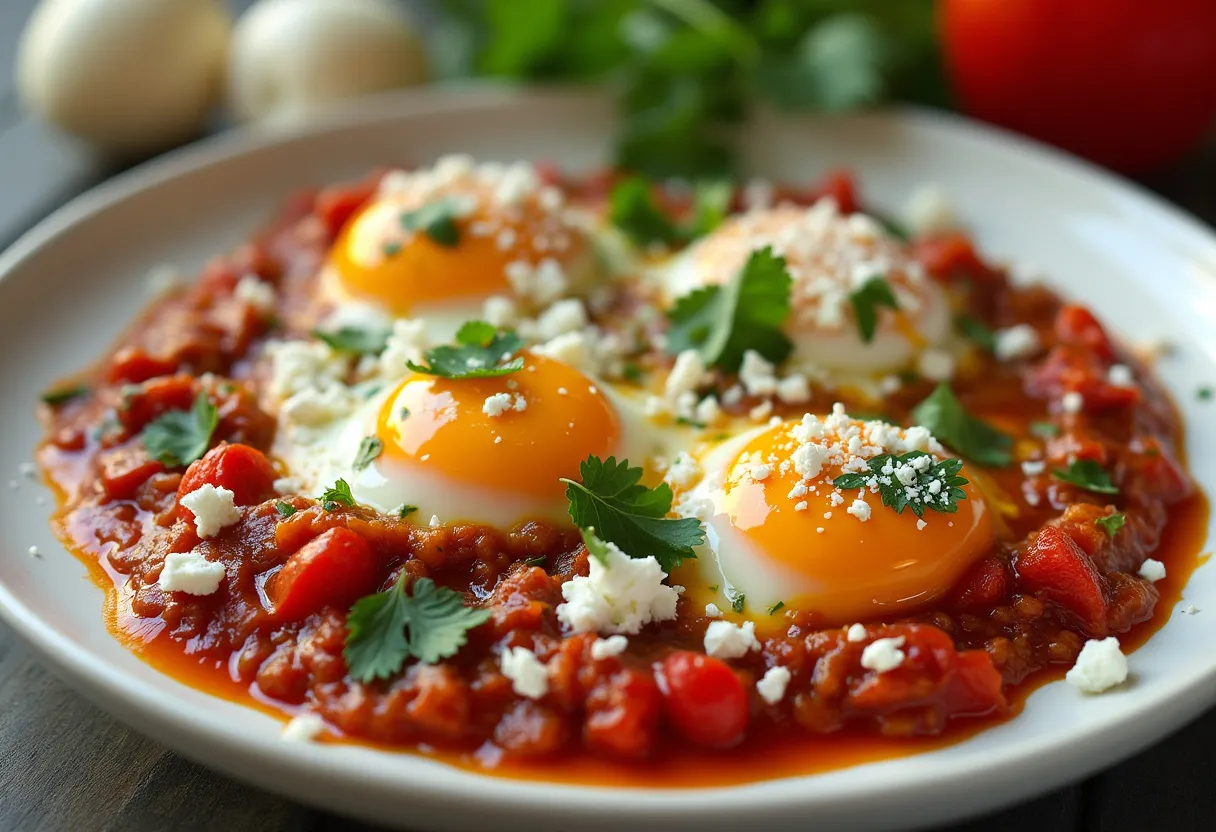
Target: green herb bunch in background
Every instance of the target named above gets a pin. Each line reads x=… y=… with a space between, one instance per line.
x=688 y=71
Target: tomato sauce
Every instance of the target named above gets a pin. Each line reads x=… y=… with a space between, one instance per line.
x=1016 y=621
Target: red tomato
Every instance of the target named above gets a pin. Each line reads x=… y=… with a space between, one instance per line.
x=1056 y=568
x=243 y=470
x=1127 y=83
x=336 y=568
x=704 y=699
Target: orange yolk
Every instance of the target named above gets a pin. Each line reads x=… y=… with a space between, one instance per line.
x=440 y=426
x=376 y=259
x=849 y=570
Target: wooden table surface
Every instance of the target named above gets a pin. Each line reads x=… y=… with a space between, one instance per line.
x=65 y=765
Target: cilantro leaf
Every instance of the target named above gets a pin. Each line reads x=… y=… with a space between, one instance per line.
x=736 y=598
x=596 y=547
x=1044 y=430
x=633 y=209
x=369 y=448
x=905 y=482
x=1111 y=523
x=62 y=395
x=284 y=509
x=437 y=220
x=377 y=644
x=611 y=500
x=710 y=206
x=1086 y=474
x=353 y=340
x=838 y=65
x=406 y=510
x=865 y=301
x=976 y=331
x=179 y=437
x=775 y=608
x=481 y=352
x=747 y=313
x=336 y=495
x=943 y=414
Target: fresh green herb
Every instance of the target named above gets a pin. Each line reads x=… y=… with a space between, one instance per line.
x=776 y=607
x=406 y=510
x=62 y=395
x=437 y=220
x=892 y=227
x=377 y=644
x=1111 y=523
x=905 y=482
x=481 y=352
x=736 y=598
x=692 y=423
x=866 y=299
x=634 y=210
x=976 y=331
x=369 y=448
x=632 y=373
x=710 y=207
x=179 y=437
x=712 y=588
x=596 y=547
x=539 y=560
x=336 y=495
x=611 y=500
x=943 y=414
x=747 y=313
x=1044 y=430
x=284 y=509
x=353 y=340
x=1086 y=474
x=1205 y=394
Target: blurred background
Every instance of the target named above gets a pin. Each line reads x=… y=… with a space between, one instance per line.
x=90 y=86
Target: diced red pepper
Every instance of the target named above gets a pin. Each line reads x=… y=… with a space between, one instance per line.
x=982 y=586
x=243 y=470
x=1055 y=568
x=704 y=699
x=335 y=569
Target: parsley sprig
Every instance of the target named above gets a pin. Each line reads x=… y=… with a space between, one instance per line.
x=634 y=210
x=338 y=494
x=481 y=351
x=437 y=220
x=866 y=300
x=906 y=482
x=370 y=447
x=747 y=313
x=353 y=340
x=179 y=437
x=611 y=500
x=950 y=423
x=1111 y=523
x=385 y=629
x=1088 y=475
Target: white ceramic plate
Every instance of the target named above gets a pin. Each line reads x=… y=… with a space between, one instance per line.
x=73 y=283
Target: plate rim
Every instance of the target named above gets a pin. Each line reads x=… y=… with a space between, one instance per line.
x=1183 y=697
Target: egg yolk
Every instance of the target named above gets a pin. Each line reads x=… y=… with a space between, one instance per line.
x=519 y=433
x=377 y=259
x=848 y=569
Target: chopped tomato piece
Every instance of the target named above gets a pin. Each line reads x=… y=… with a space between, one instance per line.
x=1163 y=476
x=243 y=470
x=837 y=184
x=623 y=714
x=975 y=687
x=1072 y=368
x=951 y=257
x=154 y=398
x=132 y=365
x=124 y=469
x=335 y=206
x=982 y=586
x=1055 y=568
x=704 y=699
x=335 y=569
x=1077 y=326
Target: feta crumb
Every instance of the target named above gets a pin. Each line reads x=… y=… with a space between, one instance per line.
x=497 y=404
x=757 y=374
x=684 y=471
x=213 y=509
x=435 y=522
x=801 y=505
x=256 y=293
x=499 y=312
x=303 y=728
x=604 y=648
x=772 y=684
x=1191 y=609
x=34 y=553
x=856 y=633
x=1100 y=666
x=793 y=389
x=1152 y=570
x=1120 y=375
x=191 y=573
x=920 y=524
x=1072 y=402
x=928 y=209
x=528 y=674
x=712 y=611
x=687 y=374
x=1033 y=467
x=286 y=486
x=859 y=509
x=1021 y=341
x=708 y=412
x=727 y=640
x=562 y=317
x=935 y=364
x=620 y=595
x=882 y=655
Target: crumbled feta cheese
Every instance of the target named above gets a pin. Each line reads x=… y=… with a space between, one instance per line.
x=1033 y=467
x=499 y=312
x=1100 y=666
x=34 y=553
x=303 y=728
x=570 y=348
x=856 y=633
x=191 y=573
x=727 y=640
x=1191 y=609
x=708 y=412
x=794 y=389
x=1021 y=341
x=1152 y=570
x=257 y=293
x=921 y=524
x=1120 y=375
x=528 y=674
x=687 y=374
x=213 y=509
x=883 y=654
x=935 y=364
x=757 y=374
x=497 y=404
x=859 y=509
x=406 y=342
x=772 y=684
x=618 y=596
x=712 y=611
x=603 y=648
x=1072 y=402
x=684 y=471
x=928 y=209
x=562 y=317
